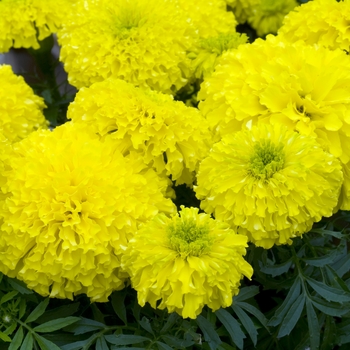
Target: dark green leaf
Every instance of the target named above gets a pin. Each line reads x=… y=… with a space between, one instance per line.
x=292 y=316
x=246 y=293
x=342 y=266
x=28 y=342
x=224 y=346
x=59 y=312
x=209 y=331
x=101 y=344
x=4 y=337
x=175 y=342
x=329 y=293
x=125 y=339
x=78 y=345
x=172 y=318
x=329 y=334
x=44 y=343
x=280 y=313
x=329 y=308
x=328 y=232
x=232 y=326
x=118 y=305
x=254 y=311
x=146 y=325
x=22 y=308
x=247 y=323
x=277 y=270
x=54 y=325
x=314 y=328
x=8 y=296
x=163 y=346
x=38 y=311
x=85 y=325
x=19 y=286
x=323 y=260
x=17 y=339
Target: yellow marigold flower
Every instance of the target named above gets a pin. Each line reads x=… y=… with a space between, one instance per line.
x=72 y=204
x=323 y=22
x=20 y=109
x=242 y=8
x=209 y=50
x=186 y=262
x=209 y=17
x=268 y=15
x=24 y=22
x=170 y=136
x=5 y=155
x=271 y=182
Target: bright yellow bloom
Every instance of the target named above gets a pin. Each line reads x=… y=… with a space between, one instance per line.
x=268 y=15
x=170 y=136
x=323 y=22
x=72 y=204
x=271 y=182
x=5 y=149
x=242 y=9
x=20 y=109
x=186 y=262
x=24 y=22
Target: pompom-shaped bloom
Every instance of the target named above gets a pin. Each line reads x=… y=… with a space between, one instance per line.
x=170 y=136
x=186 y=262
x=20 y=109
x=242 y=9
x=271 y=182
x=24 y=22
x=5 y=155
x=323 y=22
x=72 y=202
x=209 y=50
x=268 y=15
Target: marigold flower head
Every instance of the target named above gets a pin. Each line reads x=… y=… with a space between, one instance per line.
x=170 y=136
x=72 y=204
x=186 y=262
x=323 y=22
x=271 y=182
x=268 y=15
x=242 y=9
x=24 y=22
x=20 y=109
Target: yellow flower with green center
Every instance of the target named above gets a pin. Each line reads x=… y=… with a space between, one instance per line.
x=268 y=15
x=302 y=87
x=322 y=22
x=20 y=109
x=24 y=22
x=170 y=136
x=242 y=8
x=185 y=262
x=269 y=182
x=72 y=203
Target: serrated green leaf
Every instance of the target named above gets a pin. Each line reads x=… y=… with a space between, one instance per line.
x=172 y=318
x=163 y=346
x=247 y=323
x=77 y=345
x=54 y=325
x=232 y=326
x=342 y=266
x=44 y=343
x=17 y=339
x=329 y=334
x=28 y=342
x=209 y=332
x=280 y=313
x=126 y=339
x=328 y=232
x=175 y=342
x=255 y=312
x=117 y=300
x=19 y=286
x=314 y=328
x=101 y=344
x=9 y=330
x=59 y=312
x=85 y=325
x=38 y=311
x=146 y=325
x=22 y=308
x=329 y=308
x=328 y=293
x=292 y=316
x=8 y=297
x=323 y=260
x=4 y=337
x=246 y=293
x=277 y=270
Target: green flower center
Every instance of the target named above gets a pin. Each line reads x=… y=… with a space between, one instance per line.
x=266 y=159
x=223 y=42
x=187 y=238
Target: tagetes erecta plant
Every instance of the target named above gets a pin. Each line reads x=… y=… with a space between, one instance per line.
x=170 y=136
x=23 y=23
x=328 y=28
x=185 y=262
x=270 y=182
x=71 y=203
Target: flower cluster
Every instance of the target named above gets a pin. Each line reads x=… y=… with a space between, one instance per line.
x=72 y=202
x=20 y=109
x=170 y=136
x=23 y=23
x=186 y=261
